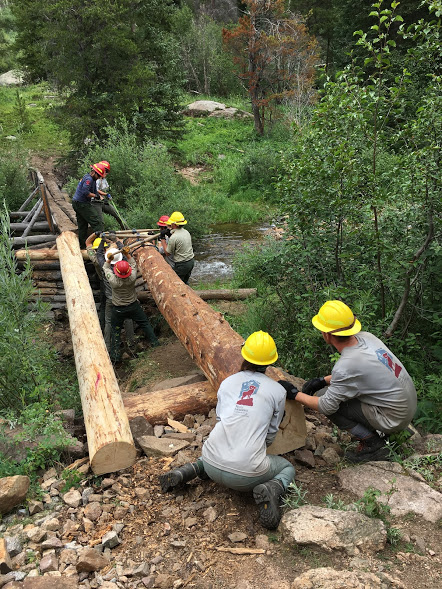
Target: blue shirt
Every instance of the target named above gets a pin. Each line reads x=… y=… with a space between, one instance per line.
x=87 y=184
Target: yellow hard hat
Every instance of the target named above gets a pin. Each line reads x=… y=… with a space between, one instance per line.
x=97 y=242
x=259 y=348
x=336 y=318
x=177 y=218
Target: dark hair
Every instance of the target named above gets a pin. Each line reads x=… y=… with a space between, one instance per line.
x=246 y=365
x=342 y=338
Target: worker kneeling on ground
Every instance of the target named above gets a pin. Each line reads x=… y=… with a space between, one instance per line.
x=249 y=410
x=369 y=390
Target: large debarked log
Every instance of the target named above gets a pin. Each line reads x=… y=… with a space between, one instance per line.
x=211 y=342
x=109 y=437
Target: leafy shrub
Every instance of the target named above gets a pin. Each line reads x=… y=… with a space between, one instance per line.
x=15 y=186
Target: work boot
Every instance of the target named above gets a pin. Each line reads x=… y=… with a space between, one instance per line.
x=369 y=450
x=179 y=476
x=268 y=497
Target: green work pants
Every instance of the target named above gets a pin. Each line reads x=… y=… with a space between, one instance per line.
x=184 y=269
x=119 y=314
x=87 y=214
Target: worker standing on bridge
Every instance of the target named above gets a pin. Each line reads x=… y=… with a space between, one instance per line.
x=249 y=410
x=369 y=390
x=103 y=202
x=125 y=304
x=85 y=212
x=180 y=246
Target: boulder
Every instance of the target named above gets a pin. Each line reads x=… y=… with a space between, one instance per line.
x=328 y=578
x=153 y=446
x=411 y=494
x=331 y=529
x=202 y=108
x=12 y=492
x=5 y=559
x=90 y=560
x=11 y=78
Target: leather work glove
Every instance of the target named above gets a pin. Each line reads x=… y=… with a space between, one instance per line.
x=290 y=388
x=126 y=251
x=313 y=385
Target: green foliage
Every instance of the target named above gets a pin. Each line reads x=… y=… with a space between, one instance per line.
x=370 y=506
x=8 y=59
x=294 y=497
x=331 y=503
x=207 y=66
x=14 y=184
x=112 y=60
x=37 y=106
x=361 y=187
x=72 y=479
x=22 y=113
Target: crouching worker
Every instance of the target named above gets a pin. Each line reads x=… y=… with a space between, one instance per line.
x=249 y=410
x=369 y=390
x=125 y=304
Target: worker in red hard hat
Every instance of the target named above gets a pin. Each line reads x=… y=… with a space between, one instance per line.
x=165 y=235
x=103 y=202
x=82 y=204
x=125 y=304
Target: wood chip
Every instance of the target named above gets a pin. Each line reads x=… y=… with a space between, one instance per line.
x=177 y=425
x=77 y=463
x=167 y=462
x=240 y=550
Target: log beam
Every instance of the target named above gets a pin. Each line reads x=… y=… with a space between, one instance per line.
x=43 y=254
x=213 y=345
x=109 y=437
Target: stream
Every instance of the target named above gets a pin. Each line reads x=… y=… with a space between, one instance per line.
x=214 y=252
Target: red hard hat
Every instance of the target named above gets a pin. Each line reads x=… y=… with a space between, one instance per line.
x=105 y=164
x=122 y=269
x=99 y=168
x=163 y=221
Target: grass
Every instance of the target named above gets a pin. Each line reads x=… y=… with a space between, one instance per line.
x=25 y=112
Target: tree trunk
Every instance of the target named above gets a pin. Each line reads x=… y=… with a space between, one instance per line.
x=211 y=342
x=43 y=254
x=109 y=437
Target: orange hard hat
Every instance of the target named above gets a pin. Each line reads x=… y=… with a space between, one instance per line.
x=105 y=164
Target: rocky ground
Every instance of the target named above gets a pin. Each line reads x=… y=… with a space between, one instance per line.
x=119 y=530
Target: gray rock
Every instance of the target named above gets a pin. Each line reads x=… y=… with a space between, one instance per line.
x=178 y=382
x=202 y=108
x=110 y=539
x=237 y=537
x=305 y=457
x=331 y=529
x=210 y=515
x=153 y=446
x=90 y=560
x=52 y=542
x=139 y=426
x=35 y=507
x=48 y=563
x=13 y=545
x=149 y=581
x=411 y=496
x=330 y=456
x=158 y=430
x=36 y=535
x=11 y=78
x=72 y=498
x=328 y=578
x=93 y=511
x=86 y=494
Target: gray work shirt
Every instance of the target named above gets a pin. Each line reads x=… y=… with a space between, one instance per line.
x=123 y=289
x=249 y=410
x=180 y=245
x=370 y=372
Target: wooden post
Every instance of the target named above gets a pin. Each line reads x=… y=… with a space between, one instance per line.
x=109 y=437
x=211 y=342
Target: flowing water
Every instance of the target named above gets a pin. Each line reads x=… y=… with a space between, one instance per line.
x=214 y=252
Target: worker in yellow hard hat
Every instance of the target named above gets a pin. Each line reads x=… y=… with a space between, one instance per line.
x=179 y=246
x=368 y=390
x=249 y=410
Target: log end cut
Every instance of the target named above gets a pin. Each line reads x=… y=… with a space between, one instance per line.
x=112 y=457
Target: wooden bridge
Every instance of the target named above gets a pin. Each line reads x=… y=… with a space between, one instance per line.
x=210 y=341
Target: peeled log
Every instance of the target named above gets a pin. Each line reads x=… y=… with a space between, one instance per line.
x=213 y=345
x=109 y=437
x=43 y=254
x=157 y=406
